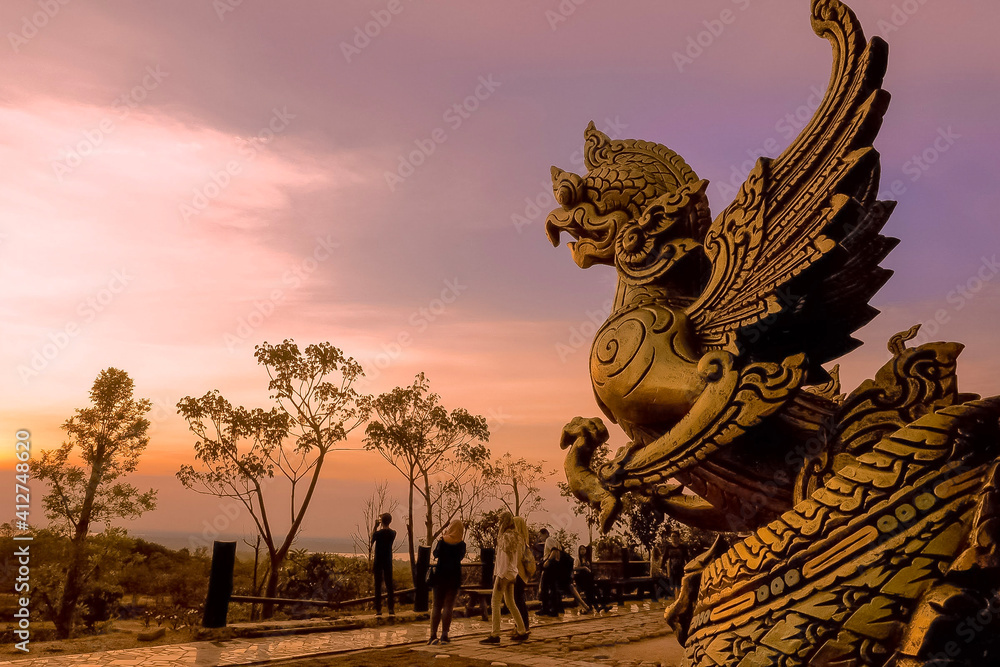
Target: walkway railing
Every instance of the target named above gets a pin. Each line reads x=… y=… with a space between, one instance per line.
x=220 y=585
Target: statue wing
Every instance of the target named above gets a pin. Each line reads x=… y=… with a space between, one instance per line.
x=809 y=215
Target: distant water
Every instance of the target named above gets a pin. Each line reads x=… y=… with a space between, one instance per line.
x=179 y=540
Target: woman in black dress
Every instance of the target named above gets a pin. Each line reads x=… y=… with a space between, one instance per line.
x=583 y=577
x=449 y=552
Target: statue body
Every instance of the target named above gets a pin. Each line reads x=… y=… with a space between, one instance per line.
x=870 y=519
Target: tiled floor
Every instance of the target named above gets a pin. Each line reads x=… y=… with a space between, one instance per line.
x=263 y=650
x=564 y=645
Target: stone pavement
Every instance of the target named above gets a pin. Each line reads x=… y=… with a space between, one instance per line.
x=581 y=644
x=552 y=641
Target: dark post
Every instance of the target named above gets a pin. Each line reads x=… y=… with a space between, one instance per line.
x=487 y=557
x=625 y=573
x=220 y=585
x=420 y=595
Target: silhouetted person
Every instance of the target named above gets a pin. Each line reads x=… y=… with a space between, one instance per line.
x=550 y=595
x=675 y=557
x=449 y=551
x=383 y=538
x=658 y=572
x=585 y=580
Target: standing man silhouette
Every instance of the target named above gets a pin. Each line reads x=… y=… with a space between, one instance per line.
x=383 y=538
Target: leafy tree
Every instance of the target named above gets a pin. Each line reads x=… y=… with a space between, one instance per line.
x=695 y=540
x=608 y=547
x=643 y=522
x=135 y=576
x=483 y=531
x=567 y=539
x=187 y=579
x=439 y=453
x=239 y=451
x=516 y=484
x=108 y=437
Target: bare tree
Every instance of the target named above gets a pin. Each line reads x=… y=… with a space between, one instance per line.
x=254 y=585
x=375 y=505
x=436 y=451
x=516 y=484
x=462 y=494
x=241 y=450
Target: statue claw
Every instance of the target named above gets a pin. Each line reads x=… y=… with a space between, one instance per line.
x=581 y=437
x=611 y=507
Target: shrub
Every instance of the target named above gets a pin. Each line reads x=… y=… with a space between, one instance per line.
x=100 y=604
x=329 y=577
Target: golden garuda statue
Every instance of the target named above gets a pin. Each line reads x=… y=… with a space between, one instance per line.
x=871 y=520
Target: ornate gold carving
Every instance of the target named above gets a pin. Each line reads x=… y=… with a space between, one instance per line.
x=872 y=519
x=898 y=342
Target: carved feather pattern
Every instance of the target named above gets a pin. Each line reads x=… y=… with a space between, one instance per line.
x=796 y=214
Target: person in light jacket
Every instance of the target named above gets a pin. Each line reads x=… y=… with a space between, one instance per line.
x=509 y=550
x=525 y=569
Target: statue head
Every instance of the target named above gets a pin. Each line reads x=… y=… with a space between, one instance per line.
x=640 y=207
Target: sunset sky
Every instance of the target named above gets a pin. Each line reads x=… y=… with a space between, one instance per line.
x=182 y=180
